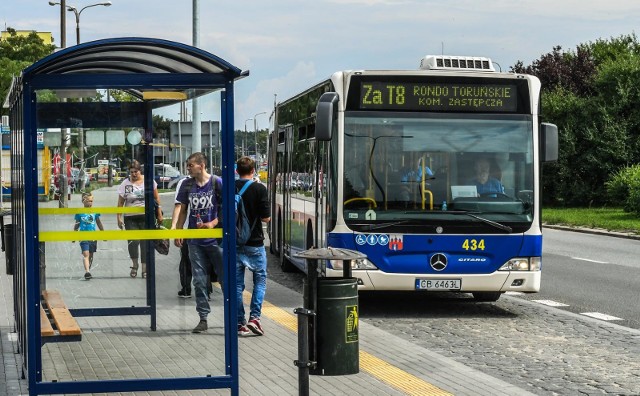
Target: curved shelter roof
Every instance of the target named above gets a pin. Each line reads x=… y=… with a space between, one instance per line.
x=132 y=55
x=135 y=64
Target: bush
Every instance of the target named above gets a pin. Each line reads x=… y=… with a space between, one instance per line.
x=624 y=187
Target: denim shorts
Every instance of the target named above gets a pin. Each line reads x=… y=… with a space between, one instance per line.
x=90 y=246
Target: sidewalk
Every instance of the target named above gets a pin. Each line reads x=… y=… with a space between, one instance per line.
x=124 y=347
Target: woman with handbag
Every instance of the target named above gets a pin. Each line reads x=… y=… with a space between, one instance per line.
x=130 y=194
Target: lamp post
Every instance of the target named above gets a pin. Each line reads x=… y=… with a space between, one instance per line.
x=255 y=131
x=244 y=137
x=63 y=23
x=77 y=13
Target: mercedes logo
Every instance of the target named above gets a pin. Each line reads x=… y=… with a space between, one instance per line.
x=438 y=261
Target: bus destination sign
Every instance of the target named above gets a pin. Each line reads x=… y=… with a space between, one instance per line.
x=445 y=96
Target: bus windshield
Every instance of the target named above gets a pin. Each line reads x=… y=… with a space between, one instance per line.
x=426 y=169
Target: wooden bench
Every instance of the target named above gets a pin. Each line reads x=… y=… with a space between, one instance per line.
x=56 y=322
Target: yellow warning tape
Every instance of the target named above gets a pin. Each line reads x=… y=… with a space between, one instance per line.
x=116 y=235
x=378 y=368
x=112 y=209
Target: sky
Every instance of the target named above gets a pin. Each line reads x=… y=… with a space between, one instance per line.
x=290 y=45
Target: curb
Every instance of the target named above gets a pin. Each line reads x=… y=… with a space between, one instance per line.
x=595 y=231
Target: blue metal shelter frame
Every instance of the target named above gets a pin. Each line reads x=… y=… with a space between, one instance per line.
x=136 y=65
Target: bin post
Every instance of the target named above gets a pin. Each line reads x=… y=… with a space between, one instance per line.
x=303 y=361
x=331 y=325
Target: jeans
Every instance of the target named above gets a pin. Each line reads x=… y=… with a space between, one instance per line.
x=202 y=258
x=255 y=259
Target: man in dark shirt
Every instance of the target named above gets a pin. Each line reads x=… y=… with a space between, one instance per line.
x=252 y=255
x=200 y=207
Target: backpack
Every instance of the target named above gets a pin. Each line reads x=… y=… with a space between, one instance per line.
x=243 y=228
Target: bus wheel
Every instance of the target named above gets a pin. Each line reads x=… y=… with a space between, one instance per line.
x=486 y=296
x=285 y=264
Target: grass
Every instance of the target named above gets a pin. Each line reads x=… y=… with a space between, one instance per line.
x=611 y=219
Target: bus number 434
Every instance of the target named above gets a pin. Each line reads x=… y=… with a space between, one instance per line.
x=473 y=244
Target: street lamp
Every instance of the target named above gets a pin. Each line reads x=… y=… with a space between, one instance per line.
x=77 y=13
x=244 y=137
x=255 y=130
x=63 y=22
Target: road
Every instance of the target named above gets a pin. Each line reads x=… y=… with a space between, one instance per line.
x=545 y=350
x=594 y=274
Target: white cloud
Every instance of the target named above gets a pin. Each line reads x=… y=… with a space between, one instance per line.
x=290 y=45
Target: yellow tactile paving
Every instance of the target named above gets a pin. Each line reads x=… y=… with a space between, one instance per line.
x=378 y=368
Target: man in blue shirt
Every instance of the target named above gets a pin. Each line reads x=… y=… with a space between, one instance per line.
x=485 y=184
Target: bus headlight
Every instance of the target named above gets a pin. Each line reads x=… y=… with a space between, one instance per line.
x=522 y=264
x=358 y=264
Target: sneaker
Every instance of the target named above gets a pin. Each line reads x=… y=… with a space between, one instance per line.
x=201 y=327
x=243 y=331
x=184 y=294
x=87 y=275
x=255 y=326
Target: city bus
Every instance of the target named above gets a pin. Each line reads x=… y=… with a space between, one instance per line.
x=387 y=163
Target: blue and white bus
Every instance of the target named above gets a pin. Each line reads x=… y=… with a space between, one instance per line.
x=385 y=162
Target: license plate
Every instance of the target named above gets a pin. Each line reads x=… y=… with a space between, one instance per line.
x=438 y=284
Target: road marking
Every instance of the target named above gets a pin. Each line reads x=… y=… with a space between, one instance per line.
x=600 y=316
x=376 y=367
x=514 y=293
x=589 y=260
x=551 y=303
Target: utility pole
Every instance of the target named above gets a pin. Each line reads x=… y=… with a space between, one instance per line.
x=196 y=128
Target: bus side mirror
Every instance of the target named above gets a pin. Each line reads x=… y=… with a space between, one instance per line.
x=548 y=142
x=326 y=112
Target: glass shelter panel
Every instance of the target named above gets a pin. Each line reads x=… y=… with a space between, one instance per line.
x=89 y=142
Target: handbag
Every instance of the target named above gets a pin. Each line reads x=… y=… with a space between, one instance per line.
x=161 y=245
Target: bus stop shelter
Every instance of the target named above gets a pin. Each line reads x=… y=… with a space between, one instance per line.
x=75 y=90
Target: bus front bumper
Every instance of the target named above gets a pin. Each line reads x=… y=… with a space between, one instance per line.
x=520 y=281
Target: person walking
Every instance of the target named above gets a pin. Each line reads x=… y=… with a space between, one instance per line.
x=87 y=222
x=252 y=255
x=184 y=268
x=131 y=193
x=200 y=203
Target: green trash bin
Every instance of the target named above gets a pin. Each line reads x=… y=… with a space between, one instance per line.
x=337 y=326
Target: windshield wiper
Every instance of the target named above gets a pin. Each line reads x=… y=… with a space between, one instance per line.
x=371 y=227
x=492 y=223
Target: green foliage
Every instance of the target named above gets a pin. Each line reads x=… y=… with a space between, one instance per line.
x=624 y=187
x=122 y=96
x=16 y=53
x=161 y=127
x=592 y=95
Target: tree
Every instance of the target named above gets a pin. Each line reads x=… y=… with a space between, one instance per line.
x=591 y=94
x=16 y=53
